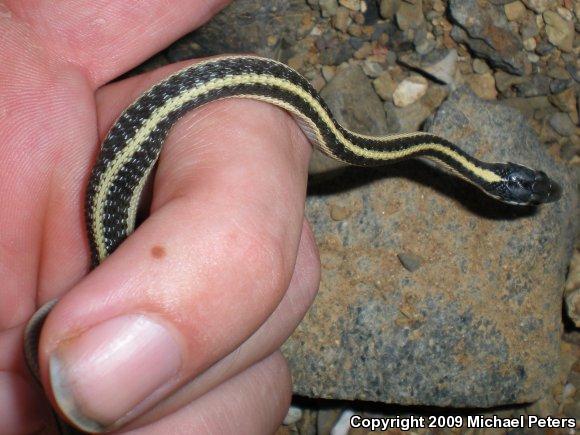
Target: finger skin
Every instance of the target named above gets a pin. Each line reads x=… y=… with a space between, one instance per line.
x=20 y=409
x=44 y=155
x=269 y=337
x=106 y=38
x=216 y=255
x=253 y=402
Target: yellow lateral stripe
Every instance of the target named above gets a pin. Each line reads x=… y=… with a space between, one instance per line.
x=133 y=145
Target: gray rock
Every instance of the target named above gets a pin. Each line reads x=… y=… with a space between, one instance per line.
x=540 y=6
x=439 y=64
x=530 y=44
x=515 y=11
x=528 y=106
x=480 y=66
x=562 y=123
x=574 y=72
x=342 y=19
x=533 y=58
x=293 y=416
x=400 y=42
x=410 y=90
x=353 y=5
x=560 y=31
x=354 y=103
x=356 y=43
x=566 y=102
x=410 y=261
x=559 y=85
x=505 y=82
x=544 y=47
x=411 y=118
x=534 y=86
x=424 y=41
x=328 y=7
x=389 y=8
x=372 y=69
x=483 y=85
x=558 y=72
x=410 y=14
x=488 y=33
x=334 y=52
x=385 y=86
x=478 y=324
x=529 y=29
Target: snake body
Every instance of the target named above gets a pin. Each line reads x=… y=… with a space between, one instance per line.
x=133 y=144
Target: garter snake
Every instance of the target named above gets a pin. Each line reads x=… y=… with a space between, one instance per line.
x=132 y=146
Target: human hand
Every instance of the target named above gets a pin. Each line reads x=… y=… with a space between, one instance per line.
x=180 y=327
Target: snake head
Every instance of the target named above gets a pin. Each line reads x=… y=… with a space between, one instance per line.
x=525 y=186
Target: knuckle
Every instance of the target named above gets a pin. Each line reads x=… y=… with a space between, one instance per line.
x=261 y=258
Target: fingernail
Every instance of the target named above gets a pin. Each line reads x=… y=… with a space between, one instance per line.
x=111 y=373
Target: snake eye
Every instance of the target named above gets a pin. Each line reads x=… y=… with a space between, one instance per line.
x=526 y=186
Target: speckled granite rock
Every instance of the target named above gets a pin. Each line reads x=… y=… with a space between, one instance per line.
x=477 y=321
x=487 y=32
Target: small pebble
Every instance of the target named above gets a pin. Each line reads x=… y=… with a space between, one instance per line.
x=530 y=44
x=272 y=40
x=293 y=416
x=372 y=69
x=480 y=66
x=296 y=62
x=353 y=5
x=410 y=90
x=385 y=86
x=562 y=123
x=388 y=8
x=328 y=72
x=410 y=261
x=426 y=44
x=565 y=13
x=566 y=102
x=483 y=85
x=364 y=51
x=318 y=82
x=439 y=6
x=515 y=11
x=354 y=30
x=359 y=18
x=328 y=8
x=559 y=30
x=339 y=212
x=341 y=19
